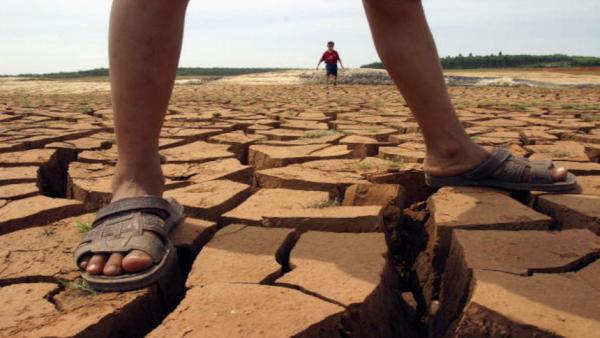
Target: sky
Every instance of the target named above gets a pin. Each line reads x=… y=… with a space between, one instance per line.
x=38 y=36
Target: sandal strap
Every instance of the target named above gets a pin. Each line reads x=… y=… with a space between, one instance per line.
x=511 y=170
x=502 y=165
x=486 y=168
x=151 y=204
x=540 y=174
x=120 y=228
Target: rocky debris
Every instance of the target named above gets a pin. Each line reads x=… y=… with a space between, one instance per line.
x=527 y=283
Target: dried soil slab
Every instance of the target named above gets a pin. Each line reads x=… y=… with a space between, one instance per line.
x=589 y=185
x=497 y=123
x=34 y=157
x=361 y=146
x=304 y=125
x=572 y=211
x=377 y=170
x=238 y=142
x=238 y=253
x=228 y=168
x=189 y=134
x=521 y=282
x=482 y=209
x=18 y=191
x=93 y=142
x=273 y=202
x=210 y=199
x=323 y=217
x=559 y=151
x=265 y=157
x=343 y=267
x=375 y=194
x=401 y=154
x=197 y=152
x=302 y=178
x=530 y=137
x=91 y=183
x=378 y=133
x=244 y=310
x=35 y=211
x=107 y=156
x=281 y=134
x=33 y=259
x=580 y=168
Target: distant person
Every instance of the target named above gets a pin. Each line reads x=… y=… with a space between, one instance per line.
x=129 y=246
x=331 y=58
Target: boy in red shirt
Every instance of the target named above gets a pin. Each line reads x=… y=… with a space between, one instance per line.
x=331 y=58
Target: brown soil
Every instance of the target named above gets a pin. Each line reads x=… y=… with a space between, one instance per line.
x=295 y=224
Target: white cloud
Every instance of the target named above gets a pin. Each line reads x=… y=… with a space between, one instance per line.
x=45 y=36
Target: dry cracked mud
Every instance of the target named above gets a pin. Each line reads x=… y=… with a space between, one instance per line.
x=307 y=216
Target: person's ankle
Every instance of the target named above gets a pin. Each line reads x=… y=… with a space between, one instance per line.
x=131 y=180
x=453 y=157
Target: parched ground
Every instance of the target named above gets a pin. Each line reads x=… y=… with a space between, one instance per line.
x=307 y=216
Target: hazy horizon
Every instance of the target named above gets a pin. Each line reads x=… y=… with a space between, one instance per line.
x=66 y=35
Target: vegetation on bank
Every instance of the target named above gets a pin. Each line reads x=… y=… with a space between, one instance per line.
x=184 y=71
x=511 y=61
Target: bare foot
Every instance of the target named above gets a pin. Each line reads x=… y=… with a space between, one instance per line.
x=456 y=160
x=148 y=181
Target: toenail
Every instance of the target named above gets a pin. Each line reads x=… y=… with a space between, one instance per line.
x=92 y=267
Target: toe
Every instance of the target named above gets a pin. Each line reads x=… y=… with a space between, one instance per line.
x=558 y=174
x=136 y=261
x=84 y=262
x=113 y=265
x=96 y=264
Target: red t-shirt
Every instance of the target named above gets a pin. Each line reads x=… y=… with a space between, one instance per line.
x=331 y=58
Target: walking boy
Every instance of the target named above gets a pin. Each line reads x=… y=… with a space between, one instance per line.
x=331 y=58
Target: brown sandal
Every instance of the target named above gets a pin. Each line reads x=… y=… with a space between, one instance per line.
x=119 y=227
x=504 y=170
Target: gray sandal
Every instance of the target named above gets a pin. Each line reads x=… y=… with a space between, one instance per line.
x=119 y=227
x=503 y=170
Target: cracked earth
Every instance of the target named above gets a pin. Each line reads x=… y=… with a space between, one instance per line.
x=307 y=216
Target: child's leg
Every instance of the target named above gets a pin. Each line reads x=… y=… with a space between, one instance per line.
x=407 y=49
x=145 y=42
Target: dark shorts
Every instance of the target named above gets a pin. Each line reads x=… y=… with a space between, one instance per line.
x=331 y=69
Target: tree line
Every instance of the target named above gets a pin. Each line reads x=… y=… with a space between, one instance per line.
x=184 y=71
x=510 y=61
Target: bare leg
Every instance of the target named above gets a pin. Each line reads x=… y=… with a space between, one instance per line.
x=145 y=43
x=407 y=49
